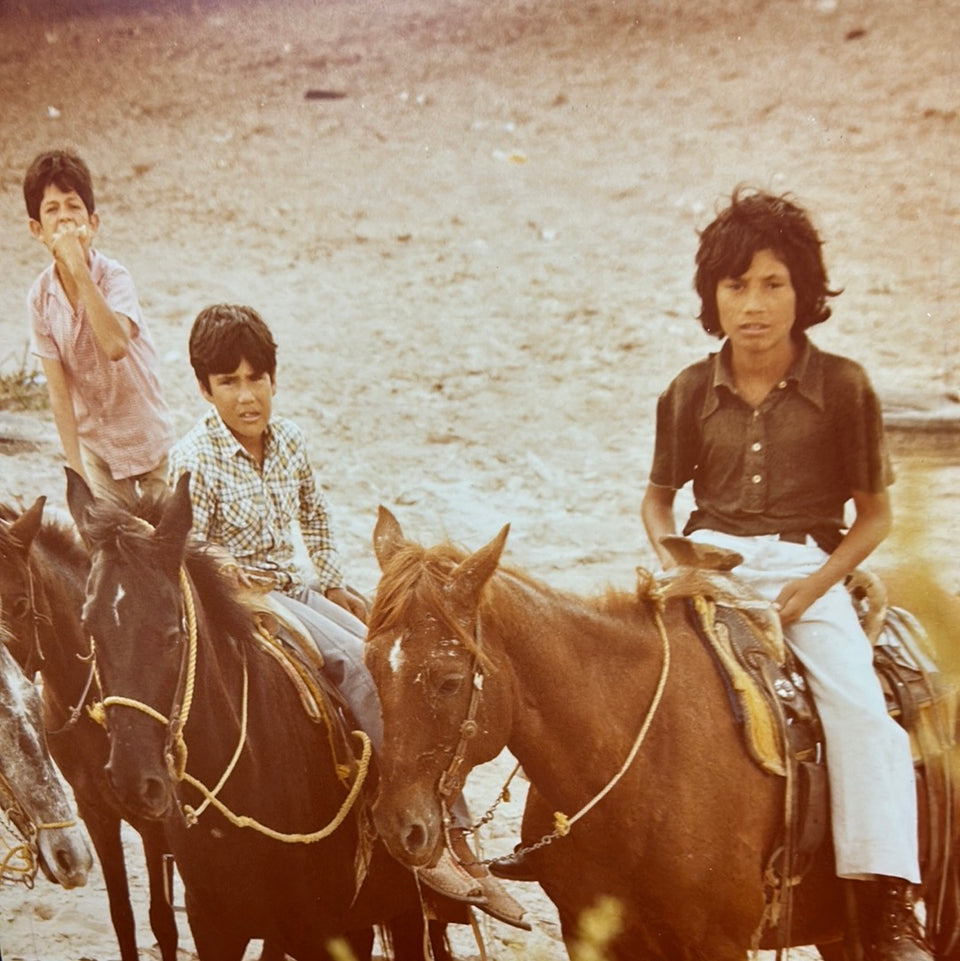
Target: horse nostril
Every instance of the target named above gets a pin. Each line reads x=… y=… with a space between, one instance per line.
x=415 y=838
x=153 y=792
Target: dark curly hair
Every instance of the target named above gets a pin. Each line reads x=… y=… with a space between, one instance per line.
x=756 y=221
x=223 y=335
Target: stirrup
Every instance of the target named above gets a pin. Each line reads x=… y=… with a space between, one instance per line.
x=449 y=878
x=501 y=905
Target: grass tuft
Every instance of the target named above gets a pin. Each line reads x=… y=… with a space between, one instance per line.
x=22 y=384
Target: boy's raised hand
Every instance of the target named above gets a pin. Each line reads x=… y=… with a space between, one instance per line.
x=69 y=247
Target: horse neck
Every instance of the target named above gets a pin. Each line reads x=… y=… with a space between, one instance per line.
x=58 y=586
x=572 y=666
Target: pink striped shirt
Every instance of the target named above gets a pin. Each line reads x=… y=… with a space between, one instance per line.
x=119 y=406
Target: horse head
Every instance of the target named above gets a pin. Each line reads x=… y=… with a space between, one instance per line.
x=20 y=607
x=426 y=654
x=134 y=614
x=31 y=792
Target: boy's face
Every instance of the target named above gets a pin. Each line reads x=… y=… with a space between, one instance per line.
x=244 y=401
x=757 y=310
x=64 y=212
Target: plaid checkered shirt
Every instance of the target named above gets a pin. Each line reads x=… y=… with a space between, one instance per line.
x=252 y=512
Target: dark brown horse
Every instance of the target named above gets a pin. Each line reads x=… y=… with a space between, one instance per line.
x=209 y=735
x=469 y=658
x=43 y=571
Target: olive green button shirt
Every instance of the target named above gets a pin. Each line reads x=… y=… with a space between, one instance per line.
x=787 y=466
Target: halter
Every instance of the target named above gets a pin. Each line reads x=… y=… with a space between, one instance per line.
x=36 y=618
x=451 y=780
x=36 y=654
x=175 y=752
x=20 y=863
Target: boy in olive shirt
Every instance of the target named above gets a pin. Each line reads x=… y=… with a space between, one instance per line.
x=776 y=437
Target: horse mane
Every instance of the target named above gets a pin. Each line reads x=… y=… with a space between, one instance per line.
x=419 y=576
x=132 y=536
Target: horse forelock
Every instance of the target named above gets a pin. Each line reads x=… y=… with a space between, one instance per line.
x=415 y=579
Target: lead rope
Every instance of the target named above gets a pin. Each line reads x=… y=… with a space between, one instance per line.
x=177 y=754
x=563 y=823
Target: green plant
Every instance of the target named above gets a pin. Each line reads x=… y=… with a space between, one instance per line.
x=22 y=387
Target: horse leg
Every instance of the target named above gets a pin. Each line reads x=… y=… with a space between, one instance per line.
x=214 y=941
x=159 y=864
x=407 y=938
x=104 y=831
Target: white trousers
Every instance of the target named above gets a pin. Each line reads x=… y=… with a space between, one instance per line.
x=873 y=799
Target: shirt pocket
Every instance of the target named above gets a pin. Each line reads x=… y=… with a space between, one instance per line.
x=245 y=520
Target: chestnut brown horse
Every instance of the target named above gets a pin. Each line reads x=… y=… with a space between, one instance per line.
x=618 y=716
x=43 y=572
x=208 y=734
x=32 y=796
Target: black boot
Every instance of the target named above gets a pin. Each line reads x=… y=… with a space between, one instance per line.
x=514 y=867
x=890 y=925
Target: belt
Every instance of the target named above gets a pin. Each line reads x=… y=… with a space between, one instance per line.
x=793 y=537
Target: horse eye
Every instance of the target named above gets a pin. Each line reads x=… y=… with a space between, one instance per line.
x=450 y=685
x=20 y=607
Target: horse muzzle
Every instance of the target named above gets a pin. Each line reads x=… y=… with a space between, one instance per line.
x=64 y=856
x=413 y=835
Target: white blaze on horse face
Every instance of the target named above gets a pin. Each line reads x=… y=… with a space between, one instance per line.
x=395 y=659
x=120 y=595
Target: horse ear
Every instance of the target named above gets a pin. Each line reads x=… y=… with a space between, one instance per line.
x=387 y=536
x=24 y=529
x=79 y=499
x=470 y=576
x=177 y=517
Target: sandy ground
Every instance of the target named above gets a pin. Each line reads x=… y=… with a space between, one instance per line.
x=471 y=226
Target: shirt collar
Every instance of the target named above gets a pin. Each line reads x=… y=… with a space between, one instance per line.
x=806 y=372
x=224 y=439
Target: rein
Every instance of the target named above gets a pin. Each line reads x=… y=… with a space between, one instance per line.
x=176 y=750
x=36 y=618
x=451 y=781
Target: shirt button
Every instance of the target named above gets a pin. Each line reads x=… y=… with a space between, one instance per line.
x=756 y=413
x=756 y=446
x=782 y=384
x=756 y=478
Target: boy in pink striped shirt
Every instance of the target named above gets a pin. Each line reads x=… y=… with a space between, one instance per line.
x=94 y=346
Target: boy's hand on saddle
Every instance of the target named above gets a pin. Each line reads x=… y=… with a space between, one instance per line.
x=795 y=598
x=348 y=601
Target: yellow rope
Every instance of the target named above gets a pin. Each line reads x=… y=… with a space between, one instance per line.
x=191 y=613
x=177 y=760
x=244 y=821
x=23 y=873
x=562 y=823
x=118 y=701
x=194 y=815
